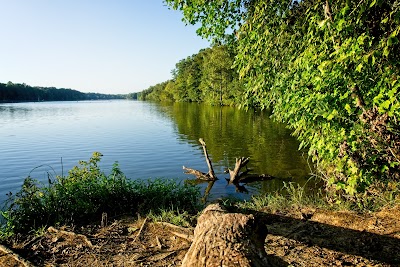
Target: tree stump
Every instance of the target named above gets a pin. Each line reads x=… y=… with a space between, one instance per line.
x=227 y=239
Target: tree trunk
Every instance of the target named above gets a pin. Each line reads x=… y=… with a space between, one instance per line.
x=227 y=239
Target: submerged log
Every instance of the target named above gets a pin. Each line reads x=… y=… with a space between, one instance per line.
x=227 y=239
x=199 y=175
x=236 y=176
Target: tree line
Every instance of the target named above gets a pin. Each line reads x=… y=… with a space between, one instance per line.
x=328 y=69
x=15 y=92
x=206 y=77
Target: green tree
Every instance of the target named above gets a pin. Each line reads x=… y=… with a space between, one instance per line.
x=329 y=69
x=207 y=76
x=218 y=72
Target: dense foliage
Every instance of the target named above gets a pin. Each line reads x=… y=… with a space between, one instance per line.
x=204 y=77
x=10 y=92
x=86 y=193
x=329 y=69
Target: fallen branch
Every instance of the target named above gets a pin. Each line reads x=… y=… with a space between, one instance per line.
x=234 y=175
x=6 y=252
x=140 y=231
x=184 y=233
x=173 y=226
x=183 y=236
x=159 y=244
x=209 y=164
x=71 y=235
x=250 y=178
x=210 y=175
x=199 y=175
x=237 y=177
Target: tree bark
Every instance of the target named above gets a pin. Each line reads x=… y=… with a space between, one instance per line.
x=227 y=239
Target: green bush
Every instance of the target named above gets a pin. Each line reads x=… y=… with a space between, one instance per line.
x=86 y=193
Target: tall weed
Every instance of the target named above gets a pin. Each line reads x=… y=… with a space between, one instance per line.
x=86 y=193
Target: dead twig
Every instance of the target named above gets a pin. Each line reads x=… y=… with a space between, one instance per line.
x=72 y=235
x=140 y=231
x=159 y=244
x=183 y=236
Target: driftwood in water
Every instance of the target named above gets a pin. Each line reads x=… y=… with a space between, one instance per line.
x=199 y=175
x=236 y=177
x=240 y=163
x=227 y=239
x=210 y=175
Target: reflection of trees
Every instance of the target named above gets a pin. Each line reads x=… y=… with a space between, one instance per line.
x=232 y=133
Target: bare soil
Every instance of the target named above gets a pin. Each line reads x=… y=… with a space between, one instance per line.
x=303 y=237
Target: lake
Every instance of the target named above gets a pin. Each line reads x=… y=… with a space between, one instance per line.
x=149 y=140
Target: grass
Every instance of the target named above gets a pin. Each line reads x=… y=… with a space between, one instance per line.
x=293 y=196
x=175 y=217
x=290 y=197
x=86 y=193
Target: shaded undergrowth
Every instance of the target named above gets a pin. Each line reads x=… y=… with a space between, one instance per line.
x=86 y=194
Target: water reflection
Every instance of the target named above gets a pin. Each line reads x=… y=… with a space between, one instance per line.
x=148 y=140
x=231 y=133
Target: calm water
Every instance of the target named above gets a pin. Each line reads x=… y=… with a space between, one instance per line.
x=148 y=140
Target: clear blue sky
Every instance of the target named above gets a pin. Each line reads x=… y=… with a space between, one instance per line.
x=104 y=46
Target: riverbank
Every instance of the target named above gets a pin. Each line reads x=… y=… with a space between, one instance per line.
x=298 y=237
x=89 y=218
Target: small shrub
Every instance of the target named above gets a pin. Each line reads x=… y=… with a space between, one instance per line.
x=86 y=193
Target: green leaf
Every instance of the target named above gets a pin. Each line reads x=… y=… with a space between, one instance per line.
x=322 y=23
x=386 y=51
x=345 y=10
x=340 y=185
x=348 y=108
x=392 y=40
x=385 y=105
x=384 y=168
x=372 y=3
x=339 y=25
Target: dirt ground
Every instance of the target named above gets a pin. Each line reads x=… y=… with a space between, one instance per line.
x=305 y=237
